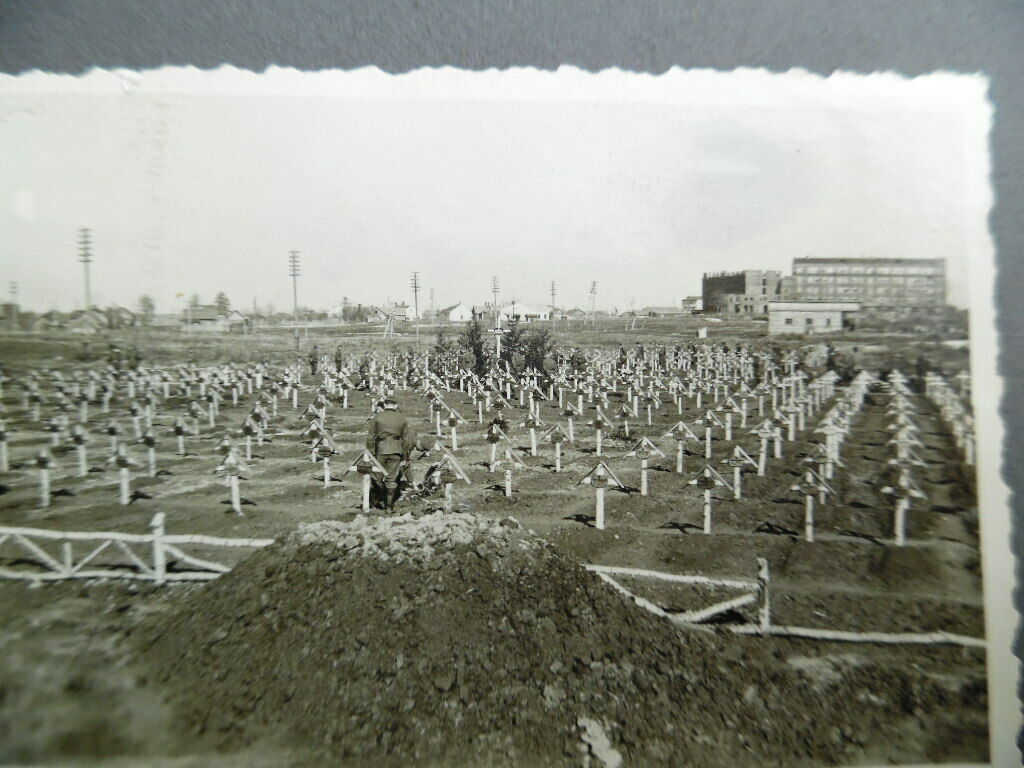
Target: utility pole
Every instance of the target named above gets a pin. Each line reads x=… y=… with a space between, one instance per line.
x=85 y=256
x=294 y=271
x=593 y=301
x=494 y=292
x=553 y=318
x=14 y=305
x=415 y=283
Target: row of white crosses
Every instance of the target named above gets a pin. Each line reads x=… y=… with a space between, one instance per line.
x=481 y=392
x=145 y=389
x=209 y=384
x=905 y=442
x=954 y=407
x=495 y=389
x=835 y=426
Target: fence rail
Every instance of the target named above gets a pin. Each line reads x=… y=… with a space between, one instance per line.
x=149 y=563
x=757 y=593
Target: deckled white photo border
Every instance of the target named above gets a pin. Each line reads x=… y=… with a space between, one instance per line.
x=748 y=88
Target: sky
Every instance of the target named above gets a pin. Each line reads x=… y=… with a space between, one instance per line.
x=198 y=182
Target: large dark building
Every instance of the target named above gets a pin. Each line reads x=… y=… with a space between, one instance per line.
x=746 y=292
x=879 y=284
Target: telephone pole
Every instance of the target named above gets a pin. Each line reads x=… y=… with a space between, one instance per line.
x=494 y=291
x=14 y=305
x=415 y=283
x=294 y=271
x=85 y=256
x=553 y=318
x=593 y=301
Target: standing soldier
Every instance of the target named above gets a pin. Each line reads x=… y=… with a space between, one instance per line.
x=339 y=358
x=390 y=440
x=314 y=360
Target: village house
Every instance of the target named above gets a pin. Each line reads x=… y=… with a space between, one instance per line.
x=212 y=318
x=86 y=321
x=666 y=311
x=522 y=313
x=380 y=314
x=456 y=313
x=119 y=317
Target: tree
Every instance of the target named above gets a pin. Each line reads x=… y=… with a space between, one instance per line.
x=538 y=344
x=223 y=303
x=444 y=353
x=512 y=341
x=472 y=340
x=147 y=308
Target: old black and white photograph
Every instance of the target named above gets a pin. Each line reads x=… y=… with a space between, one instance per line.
x=499 y=418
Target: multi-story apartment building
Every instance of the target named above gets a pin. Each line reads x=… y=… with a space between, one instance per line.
x=746 y=292
x=878 y=284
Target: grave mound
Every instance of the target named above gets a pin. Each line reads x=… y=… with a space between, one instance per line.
x=453 y=639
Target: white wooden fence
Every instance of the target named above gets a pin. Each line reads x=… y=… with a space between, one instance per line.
x=137 y=556
x=757 y=592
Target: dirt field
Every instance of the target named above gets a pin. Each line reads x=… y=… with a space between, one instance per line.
x=75 y=689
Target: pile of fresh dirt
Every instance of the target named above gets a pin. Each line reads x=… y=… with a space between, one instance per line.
x=458 y=640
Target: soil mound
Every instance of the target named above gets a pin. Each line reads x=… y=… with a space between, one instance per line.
x=458 y=640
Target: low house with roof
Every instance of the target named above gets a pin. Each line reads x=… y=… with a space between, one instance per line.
x=212 y=318
x=808 y=317
x=666 y=311
x=48 y=321
x=456 y=313
x=380 y=314
x=86 y=321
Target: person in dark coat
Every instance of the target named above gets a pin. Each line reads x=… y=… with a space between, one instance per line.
x=390 y=439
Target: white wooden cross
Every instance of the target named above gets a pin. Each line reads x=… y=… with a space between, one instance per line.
x=367 y=466
x=706 y=481
x=124 y=464
x=532 y=423
x=903 y=493
x=681 y=433
x=601 y=478
x=708 y=421
x=556 y=436
x=812 y=485
x=737 y=461
x=449 y=470
x=231 y=467
x=454 y=419
x=598 y=423
x=643 y=449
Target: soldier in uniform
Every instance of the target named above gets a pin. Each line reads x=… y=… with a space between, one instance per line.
x=314 y=360
x=391 y=441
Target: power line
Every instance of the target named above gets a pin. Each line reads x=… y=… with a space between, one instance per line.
x=294 y=270
x=85 y=256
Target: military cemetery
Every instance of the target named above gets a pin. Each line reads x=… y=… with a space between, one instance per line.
x=683 y=475
x=665 y=486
